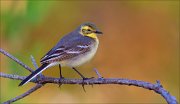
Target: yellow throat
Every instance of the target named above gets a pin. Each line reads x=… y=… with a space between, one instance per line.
x=92 y=35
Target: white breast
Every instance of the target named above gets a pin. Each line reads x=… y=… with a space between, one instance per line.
x=77 y=61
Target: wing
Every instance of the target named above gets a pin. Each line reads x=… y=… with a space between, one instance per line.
x=66 y=51
x=63 y=42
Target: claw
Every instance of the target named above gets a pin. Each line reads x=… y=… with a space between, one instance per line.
x=84 y=84
x=60 y=80
x=60 y=85
x=83 y=87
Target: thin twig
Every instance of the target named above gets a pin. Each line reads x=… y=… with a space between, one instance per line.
x=43 y=80
x=35 y=65
x=98 y=74
x=15 y=59
x=29 y=91
x=34 y=62
x=24 y=94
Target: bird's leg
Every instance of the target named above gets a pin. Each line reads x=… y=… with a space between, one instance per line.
x=60 y=72
x=61 y=77
x=78 y=73
x=84 y=78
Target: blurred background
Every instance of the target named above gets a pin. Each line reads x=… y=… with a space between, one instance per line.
x=140 y=41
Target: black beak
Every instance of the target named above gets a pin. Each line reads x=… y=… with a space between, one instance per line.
x=98 y=32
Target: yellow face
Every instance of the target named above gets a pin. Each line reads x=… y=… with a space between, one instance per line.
x=89 y=31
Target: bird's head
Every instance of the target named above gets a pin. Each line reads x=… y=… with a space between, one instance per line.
x=89 y=30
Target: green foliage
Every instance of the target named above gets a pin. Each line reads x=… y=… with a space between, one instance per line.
x=15 y=23
x=36 y=10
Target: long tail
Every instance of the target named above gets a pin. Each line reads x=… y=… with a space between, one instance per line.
x=34 y=74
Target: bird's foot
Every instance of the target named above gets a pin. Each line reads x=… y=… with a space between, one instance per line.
x=61 y=78
x=83 y=84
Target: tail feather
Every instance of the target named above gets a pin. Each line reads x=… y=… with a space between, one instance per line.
x=34 y=74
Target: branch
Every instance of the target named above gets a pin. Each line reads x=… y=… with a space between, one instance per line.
x=34 y=62
x=98 y=74
x=15 y=59
x=21 y=78
x=24 y=94
x=157 y=87
x=35 y=65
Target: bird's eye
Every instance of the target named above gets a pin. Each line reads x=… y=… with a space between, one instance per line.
x=86 y=31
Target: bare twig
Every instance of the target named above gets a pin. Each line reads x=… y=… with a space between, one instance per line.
x=35 y=65
x=24 y=94
x=157 y=87
x=98 y=74
x=15 y=59
x=34 y=62
x=29 y=91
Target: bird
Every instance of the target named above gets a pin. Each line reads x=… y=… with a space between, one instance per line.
x=72 y=50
